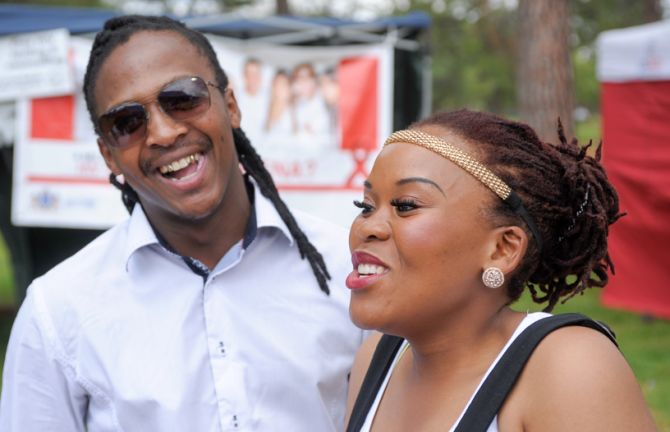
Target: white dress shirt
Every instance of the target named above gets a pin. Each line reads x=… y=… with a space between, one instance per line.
x=124 y=336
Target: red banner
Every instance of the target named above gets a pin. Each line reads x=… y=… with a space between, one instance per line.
x=636 y=136
x=53 y=118
x=358 y=103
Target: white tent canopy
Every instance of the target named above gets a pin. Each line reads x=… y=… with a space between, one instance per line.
x=640 y=53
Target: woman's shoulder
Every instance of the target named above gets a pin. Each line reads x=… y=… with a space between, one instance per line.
x=577 y=379
x=360 y=367
x=576 y=355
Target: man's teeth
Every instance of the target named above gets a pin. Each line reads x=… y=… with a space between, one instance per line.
x=370 y=269
x=179 y=164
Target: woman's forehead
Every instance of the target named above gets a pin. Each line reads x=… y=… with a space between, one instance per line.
x=400 y=161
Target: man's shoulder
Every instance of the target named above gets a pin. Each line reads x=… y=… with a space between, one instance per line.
x=101 y=254
x=66 y=295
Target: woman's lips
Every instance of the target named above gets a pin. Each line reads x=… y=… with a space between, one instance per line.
x=355 y=281
x=367 y=270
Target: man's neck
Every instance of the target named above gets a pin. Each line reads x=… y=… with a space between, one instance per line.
x=209 y=238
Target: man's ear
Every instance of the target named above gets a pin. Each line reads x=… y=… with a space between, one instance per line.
x=234 y=113
x=107 y=156
x=508 y=247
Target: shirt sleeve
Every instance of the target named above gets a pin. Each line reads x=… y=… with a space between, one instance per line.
x=39 y=392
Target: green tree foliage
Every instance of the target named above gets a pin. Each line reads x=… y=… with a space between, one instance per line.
x=474 y=48
x=591 y=17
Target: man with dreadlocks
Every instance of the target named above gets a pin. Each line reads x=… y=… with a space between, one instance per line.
x=209 y=309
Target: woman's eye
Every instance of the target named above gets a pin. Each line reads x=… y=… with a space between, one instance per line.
x=402 y=206
x=365 y=207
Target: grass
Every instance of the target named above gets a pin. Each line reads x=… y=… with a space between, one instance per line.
x=6 y=277
x=7 y=301
x=589 y=129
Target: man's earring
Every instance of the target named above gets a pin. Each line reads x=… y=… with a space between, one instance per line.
x=117 y=180
x=493 y=277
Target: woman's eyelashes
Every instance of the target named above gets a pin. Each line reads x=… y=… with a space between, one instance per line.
x=365 y=207
x=402 y=205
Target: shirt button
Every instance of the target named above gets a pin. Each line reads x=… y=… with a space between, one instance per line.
x=222 y=348
x=235 y=423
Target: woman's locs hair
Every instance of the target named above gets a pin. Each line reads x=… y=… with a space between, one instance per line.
x=565 y=191
x=117 y=31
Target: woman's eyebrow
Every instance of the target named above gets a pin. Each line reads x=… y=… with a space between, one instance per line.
x=419 y=180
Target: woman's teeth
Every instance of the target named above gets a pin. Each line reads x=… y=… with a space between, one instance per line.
x=370 y=269
x=179 y=164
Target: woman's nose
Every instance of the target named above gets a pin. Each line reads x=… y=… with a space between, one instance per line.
x=375 y=226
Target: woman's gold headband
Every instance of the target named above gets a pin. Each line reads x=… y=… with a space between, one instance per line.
x=469 y=164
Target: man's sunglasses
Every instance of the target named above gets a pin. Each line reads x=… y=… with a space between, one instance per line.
x=182 y=99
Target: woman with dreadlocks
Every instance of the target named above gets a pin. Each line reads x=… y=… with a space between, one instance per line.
x=210 y=308
x=461 y=213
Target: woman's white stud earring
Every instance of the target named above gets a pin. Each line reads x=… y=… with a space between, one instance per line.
x=493 y=277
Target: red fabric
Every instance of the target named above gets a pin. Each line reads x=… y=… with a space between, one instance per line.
x=357 y=78
x=53 y=118
x=636 y=154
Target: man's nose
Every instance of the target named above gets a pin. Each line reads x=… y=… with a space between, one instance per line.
x=162 y=129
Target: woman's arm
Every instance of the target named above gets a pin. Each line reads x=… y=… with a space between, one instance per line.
x=578 y=380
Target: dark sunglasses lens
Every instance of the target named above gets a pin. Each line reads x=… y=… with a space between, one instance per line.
x=125 y=124
x=184 y=98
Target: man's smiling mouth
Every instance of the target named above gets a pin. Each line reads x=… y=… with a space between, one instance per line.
x=177 y=169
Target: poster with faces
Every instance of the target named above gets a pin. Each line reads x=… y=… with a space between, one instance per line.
x=316 y=115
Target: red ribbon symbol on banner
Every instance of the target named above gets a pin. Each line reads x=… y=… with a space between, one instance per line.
x=360 y=158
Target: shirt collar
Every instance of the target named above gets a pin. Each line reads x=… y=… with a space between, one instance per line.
x=263 y=215
x=267 y=215
x=140 y=233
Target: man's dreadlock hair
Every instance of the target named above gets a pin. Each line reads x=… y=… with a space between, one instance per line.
x=566 y=192
x=116 y=32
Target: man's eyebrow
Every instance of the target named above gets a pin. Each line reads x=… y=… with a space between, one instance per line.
x=419 y=180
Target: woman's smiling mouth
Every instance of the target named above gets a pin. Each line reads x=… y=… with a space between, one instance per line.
x=367 y=270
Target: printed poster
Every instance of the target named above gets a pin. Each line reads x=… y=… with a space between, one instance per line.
x=316 y=115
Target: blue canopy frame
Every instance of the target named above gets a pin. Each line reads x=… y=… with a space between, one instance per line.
x=412 y=87
x=16 y=18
